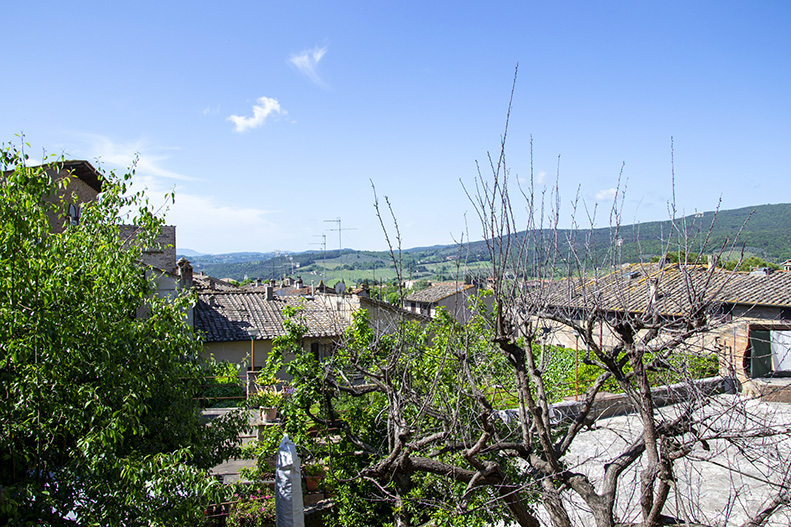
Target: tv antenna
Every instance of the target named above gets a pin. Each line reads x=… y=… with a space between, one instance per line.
x=340 y=243
x=323 y=256
x=274 y=258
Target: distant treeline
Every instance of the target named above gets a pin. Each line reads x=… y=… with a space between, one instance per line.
x=766 y=236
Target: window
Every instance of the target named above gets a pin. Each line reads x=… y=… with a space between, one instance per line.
x=770 y=352
x=321 y=352
x=73 y=214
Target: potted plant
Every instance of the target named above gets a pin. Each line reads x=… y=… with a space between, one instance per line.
x=313 y=473
x=267 y=402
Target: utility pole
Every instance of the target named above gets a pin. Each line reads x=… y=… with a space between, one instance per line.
x=340 y=244
x=323 y=257
x=274 y=258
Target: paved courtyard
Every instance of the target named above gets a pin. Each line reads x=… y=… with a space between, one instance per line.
x=229 y=470
x=724 y=485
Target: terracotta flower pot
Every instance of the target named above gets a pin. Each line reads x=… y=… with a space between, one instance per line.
x=268 y=414
x=312 y=483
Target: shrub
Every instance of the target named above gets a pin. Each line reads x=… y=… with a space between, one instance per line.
x=256 y=509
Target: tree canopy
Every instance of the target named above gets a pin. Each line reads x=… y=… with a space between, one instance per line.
x=98 y=424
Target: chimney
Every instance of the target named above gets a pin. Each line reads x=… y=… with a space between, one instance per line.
x=185 y=274
x=712 y=262
x=298 y=283
x=270 y=292
x=653 y=295
x=258 y=282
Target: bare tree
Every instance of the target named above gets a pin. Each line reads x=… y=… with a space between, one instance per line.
x=465 y=419
x=633 y=320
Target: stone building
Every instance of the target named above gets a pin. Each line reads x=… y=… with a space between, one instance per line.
x=453 y=296
x=80 y=183
x=239 y=325
x=747 y=322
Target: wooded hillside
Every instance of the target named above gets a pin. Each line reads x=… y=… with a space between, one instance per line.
x=766 y=235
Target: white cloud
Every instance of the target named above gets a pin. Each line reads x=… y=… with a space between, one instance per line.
x=306 y=63
x=606 y=194
x=266 y=106
x=120 y=154
x=205 y=223
x=538 y=179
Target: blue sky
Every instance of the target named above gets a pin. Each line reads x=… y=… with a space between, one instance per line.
x=270 y=118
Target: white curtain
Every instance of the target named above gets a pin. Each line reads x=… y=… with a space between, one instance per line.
x=781 y=350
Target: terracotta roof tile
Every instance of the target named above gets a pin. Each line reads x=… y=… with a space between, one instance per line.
x=229 y=316
x=628 y=289
x=203 y=282
x=437 y=292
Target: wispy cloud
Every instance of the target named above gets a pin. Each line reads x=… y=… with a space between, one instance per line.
x=306 y=63
x=537 y=180
x=204 y=221
x=208 y=223
x=606 y=194
x=265 y=107
x=120 y=154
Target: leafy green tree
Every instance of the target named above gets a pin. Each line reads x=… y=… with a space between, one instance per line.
x=747 y=264
x=98 y=425
x=425 y=381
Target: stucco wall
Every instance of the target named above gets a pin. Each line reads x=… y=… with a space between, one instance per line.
x=240 y=353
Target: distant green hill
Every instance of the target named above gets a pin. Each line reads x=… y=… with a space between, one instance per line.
x=767 y=235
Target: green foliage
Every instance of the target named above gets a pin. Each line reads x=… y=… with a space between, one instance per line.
x=255 y=508
x=682 y=257
x=567 y=374
x=265 y=399
x=99 y=376
x=263 y=450
x=221 y=386
x=228 y=395
x=313 y=469
x=420 y=285
x=424 y=367
x=748 y=264
x=423 y=363
x=290 y=342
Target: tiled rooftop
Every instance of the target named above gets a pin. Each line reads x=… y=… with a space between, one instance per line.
x=204 y=282
x=629 y=288
x=230 y=315
x=437 y=292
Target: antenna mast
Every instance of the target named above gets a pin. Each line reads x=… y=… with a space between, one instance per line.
x=340 y=244
x=323 y=256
